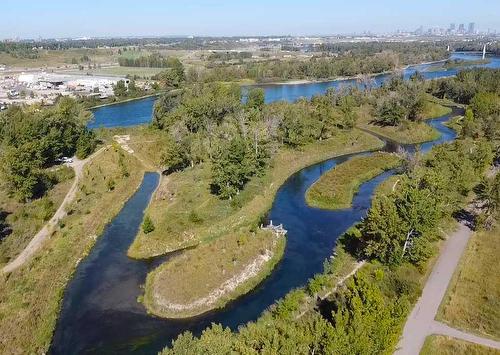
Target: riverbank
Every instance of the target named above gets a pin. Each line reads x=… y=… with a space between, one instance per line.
x=30 y=297
x=212 y=275
x=341 y=78
x=336 y=188
x=125 y=100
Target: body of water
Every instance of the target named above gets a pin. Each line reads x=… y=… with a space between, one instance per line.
x=140 y=111
x=100 y=313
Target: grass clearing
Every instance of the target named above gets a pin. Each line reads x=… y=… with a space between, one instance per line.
x=185 y=213
x=408 y=132
x=212 y=275
x=443 y=345
x=26 y=219
x=119 y=71
x=336 y=188
x=472 y=302
x=30 y=297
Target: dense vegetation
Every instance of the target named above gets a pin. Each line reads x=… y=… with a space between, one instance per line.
x=398 y=236
x=337 y=60
x=154 y=60
x=209 y=123
x=33 y=139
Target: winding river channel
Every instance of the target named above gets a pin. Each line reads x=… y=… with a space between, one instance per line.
x=100 y=312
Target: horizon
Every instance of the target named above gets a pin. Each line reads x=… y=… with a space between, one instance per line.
x=218 y=18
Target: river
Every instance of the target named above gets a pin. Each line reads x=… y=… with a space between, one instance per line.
x=138 y=112
x=100 y=312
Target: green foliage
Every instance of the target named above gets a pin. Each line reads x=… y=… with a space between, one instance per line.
x=120 y=89
x=401 y=226
x=148 y=225
x=256 y=98
x=86 y=144
x=233 y=164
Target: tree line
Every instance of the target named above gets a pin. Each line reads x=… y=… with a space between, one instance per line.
x=154 y=60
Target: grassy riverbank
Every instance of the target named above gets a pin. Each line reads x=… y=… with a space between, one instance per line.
x=212 y=275
x=30 y=297
x=185 y=213
x=443 y=345
x=336 y=188
x=407 y=132
x=472 y=299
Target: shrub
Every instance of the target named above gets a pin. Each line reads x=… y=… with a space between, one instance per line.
x=148 y=225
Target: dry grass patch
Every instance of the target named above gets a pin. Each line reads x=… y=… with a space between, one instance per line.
x=30 y=297
x=213 y=274
x=337 y=187
x=185 y=212
x=443 y=345
x=472 y=302
x=24 y=220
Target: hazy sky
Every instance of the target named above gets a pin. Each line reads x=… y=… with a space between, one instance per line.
x=68 y=18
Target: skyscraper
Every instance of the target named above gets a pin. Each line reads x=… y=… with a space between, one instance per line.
x=461 y=28
x=472 y=28
x=452 y=27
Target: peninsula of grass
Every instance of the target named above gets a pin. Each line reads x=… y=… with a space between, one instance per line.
x=30 y=297
x=408 y=132
x=443 y=345
x=185 y=213
x=213 y=274
x=336 y=188
x=472 y=299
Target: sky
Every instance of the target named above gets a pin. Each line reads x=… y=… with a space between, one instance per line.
x=107 y=18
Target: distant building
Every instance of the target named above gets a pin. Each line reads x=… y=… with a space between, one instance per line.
x=452 y=27
x=461 y=28
x=472 y=28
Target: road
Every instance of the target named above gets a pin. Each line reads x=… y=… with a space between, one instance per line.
x=39 y=238
x=421 y=323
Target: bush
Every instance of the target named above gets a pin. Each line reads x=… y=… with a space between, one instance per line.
x=148 y=225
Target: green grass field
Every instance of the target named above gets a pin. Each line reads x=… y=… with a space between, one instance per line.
x=336 y=188
x=443 y=345
x=30 y=297
x=472 y=301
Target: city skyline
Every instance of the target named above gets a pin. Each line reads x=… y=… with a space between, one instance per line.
x=222 y=18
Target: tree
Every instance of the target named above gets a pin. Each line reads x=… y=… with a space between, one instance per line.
x=86 y=144
x=120 y=89
x=256 y=98
x=148 y=225
x=390 y=112
x=165 y=104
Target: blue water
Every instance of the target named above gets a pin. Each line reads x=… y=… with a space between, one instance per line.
x=140 y=111
x=292 y=92
x=100 y=313
x=131 y=113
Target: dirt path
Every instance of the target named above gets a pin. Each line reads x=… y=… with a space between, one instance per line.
x=37 y=241
x=421 y=323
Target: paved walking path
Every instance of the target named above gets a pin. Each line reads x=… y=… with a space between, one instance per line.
x=37 y=241
x=421 y=323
